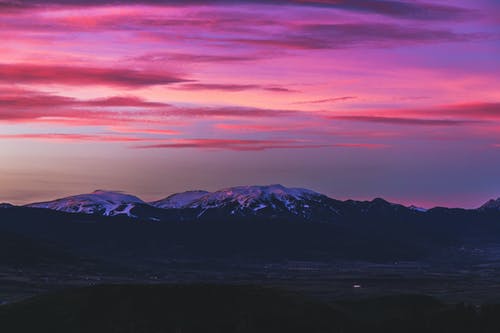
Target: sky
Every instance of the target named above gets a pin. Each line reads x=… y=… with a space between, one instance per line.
x=351 y=98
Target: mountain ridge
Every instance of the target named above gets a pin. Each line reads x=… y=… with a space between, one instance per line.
x=274 y=201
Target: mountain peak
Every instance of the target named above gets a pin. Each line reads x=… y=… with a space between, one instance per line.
x=97 y=202
x=179 y=200
x=492 y=204
x=273 y=189
x=381 y=201
x=261 y=199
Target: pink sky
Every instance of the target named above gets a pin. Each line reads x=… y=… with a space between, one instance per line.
x=355 y=99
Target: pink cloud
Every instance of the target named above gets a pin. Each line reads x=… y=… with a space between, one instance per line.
x=393 y=8
x=403 y=120
x=131 y=101
x=195 y=58
x=82 y=76
x=256 y=127
x=24 y=99
x=477 y=110
x=253 y=145
x=72 y=137
x=446 y=115
x=231 y=87
x=143 y=130
x=327 y=100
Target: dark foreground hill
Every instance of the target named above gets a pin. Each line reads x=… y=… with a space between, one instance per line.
x=169 y=308
x=228 y=309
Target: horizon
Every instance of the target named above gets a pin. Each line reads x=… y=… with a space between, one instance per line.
x=352 y=99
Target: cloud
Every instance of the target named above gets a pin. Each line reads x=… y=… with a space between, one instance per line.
x=20 y=98
x=231 y=87
x=125 y=101
x=279 y=89
x=252 y=145
x=399 y=9
x=347 y=35
x=216 y=86
x=82 y=76
x=25 y=106
x=327 y=100
x=194 y=58
x=476 y=110
x=139 y=130
x=29 y=99
x=241 y=31
x=92 y=117
x=73 y=137
x=28 y=106
x=257 y=128
x=229 y=112
x=403 y=120
x=444 y=115
x=316 y=127
x=210 y=144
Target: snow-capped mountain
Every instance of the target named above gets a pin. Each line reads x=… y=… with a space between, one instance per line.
x=179 y=200
x=263 y=202
x=100 y=202
x=270 y=200
x=493 y=204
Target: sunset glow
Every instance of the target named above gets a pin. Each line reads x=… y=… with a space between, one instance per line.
x=354 y=99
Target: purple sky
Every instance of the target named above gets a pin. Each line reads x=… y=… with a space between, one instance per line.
x=351 y=98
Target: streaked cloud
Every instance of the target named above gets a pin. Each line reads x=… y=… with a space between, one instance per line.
x=331 y=90
x=231 y=87
x=401 y=9
x=253 y=145
x=327 y=100
x=82 y=76
x=404 y=120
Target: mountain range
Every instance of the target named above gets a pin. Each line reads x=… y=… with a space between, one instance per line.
x=270 y=202
x=245 y=223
